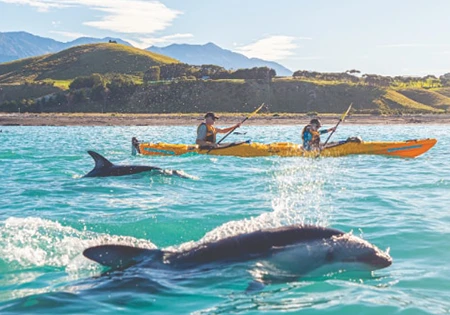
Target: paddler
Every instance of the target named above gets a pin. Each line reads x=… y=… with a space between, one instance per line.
x=206 y=132
x=311 y=134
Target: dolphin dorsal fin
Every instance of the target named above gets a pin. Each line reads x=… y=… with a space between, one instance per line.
x=120 y=256
x=100 y=161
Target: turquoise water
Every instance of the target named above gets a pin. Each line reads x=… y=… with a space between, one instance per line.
x=49 y=214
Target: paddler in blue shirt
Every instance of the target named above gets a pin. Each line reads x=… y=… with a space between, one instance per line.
x=206 y=132
x=311 y=135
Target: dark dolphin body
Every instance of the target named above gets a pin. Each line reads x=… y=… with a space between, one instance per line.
x=104 y=168
x=296 y=250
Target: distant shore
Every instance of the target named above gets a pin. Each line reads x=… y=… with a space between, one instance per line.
x=112 y=119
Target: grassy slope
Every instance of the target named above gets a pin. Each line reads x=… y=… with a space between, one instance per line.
x=284 y=94
x=396 y=100
x=82 y=61
x=429 y=97
x=9 y=68
x=443 y=91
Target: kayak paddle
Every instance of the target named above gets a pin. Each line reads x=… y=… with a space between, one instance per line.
x=335 y=127
x=252 y=114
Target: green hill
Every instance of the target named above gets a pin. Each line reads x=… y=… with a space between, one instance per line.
x=82 y=61
x=283 y=96
x=444 y=91
x=430 y=97
x=110 y=77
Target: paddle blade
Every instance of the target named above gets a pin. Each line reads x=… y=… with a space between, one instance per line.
x=346 y=113
x=257 y=110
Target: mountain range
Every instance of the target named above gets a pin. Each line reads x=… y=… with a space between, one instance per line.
x=19 y=45
x=213 y=54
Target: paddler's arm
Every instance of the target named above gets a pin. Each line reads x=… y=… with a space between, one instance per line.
x=327 y=130
x=225 y=130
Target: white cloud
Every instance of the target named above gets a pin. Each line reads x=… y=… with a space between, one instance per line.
x=269 y=48
x=40 y=5
x=122 y=16
x=133 y=16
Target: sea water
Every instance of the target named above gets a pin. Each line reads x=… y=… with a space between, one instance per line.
x=49 y=214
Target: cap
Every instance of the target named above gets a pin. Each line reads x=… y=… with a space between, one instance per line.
x=212 y=115
x=316 y=122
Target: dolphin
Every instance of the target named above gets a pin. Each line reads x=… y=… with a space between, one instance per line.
x=103 y=168
x=285 y=253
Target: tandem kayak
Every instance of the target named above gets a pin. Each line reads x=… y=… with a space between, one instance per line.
x=351 y=146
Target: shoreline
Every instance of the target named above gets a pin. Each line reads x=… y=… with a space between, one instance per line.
x=116 y=119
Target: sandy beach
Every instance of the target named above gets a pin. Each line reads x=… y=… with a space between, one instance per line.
x=115 y=119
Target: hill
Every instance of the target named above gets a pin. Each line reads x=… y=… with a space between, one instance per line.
x=281 y=95
x=435 y=98
x=117 y=78
x=19 y=45
x=213 y=54
x=82 y=61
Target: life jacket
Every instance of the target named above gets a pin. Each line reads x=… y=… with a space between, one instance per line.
x=210 y=132
x=315 y=140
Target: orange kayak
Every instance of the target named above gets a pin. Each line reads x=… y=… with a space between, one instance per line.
x=404 y=149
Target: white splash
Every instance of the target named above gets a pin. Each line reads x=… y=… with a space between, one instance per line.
x=36 y=242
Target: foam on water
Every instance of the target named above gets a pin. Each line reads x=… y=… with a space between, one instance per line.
x=36 y=242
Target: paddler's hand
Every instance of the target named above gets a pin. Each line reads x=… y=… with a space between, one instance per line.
x=237 y=125
x=332 y=129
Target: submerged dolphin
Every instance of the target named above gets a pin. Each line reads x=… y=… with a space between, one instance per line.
x=104 y=168
x=287 y=252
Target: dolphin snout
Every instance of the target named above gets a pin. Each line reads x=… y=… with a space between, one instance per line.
x=378 y=260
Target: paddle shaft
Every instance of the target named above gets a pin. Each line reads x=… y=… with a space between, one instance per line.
x=335 y=127
x=326 y=141
x=245 y=119
x=229 y=133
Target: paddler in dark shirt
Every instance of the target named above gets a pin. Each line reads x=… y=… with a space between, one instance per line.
x=206 y=132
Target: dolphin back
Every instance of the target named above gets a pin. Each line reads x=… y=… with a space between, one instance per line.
x=254 y=244
x=120 y=256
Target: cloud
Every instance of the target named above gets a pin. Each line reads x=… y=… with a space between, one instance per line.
x=133 y=16
x=270 y=48
x=40 y=5
x=145 y=42
x=122 y=16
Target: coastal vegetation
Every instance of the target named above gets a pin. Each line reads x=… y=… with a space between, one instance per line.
x=112 y=77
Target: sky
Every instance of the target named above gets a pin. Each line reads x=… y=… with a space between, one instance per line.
x=386 y=37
